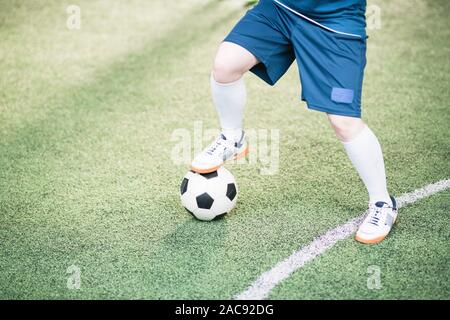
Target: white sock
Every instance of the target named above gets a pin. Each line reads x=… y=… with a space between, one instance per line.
x=230 y=99
x=365 y=153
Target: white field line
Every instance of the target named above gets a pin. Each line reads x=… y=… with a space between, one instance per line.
x=262 y=286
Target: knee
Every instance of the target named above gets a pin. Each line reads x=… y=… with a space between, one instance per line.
x=231 y=62
x=225 y=72
x=346 y=128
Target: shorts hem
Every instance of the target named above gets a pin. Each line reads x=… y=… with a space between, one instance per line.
x=335 y=112
x=253 y=51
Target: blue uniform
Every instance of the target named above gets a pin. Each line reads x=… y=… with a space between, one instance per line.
x=343 y=15
x=328 y=40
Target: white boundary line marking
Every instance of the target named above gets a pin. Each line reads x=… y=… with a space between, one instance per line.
x=262 y=286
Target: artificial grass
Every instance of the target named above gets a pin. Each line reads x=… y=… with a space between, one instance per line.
x=413 y=261
x=86 y=170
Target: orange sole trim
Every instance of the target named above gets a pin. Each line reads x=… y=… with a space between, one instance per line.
x=242 y=154
x=371 y=241
x=376 y=240
x=209 y=170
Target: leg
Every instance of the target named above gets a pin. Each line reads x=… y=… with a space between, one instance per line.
x=229 y=96
x=364 y=151
x=231 y=62
x=332 y=72
x=227 y=86
x=253 y=44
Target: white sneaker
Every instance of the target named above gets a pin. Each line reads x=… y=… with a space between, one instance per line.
x=221 y=150
x=378 y=222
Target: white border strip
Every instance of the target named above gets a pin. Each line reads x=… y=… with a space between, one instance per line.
x=262 y=286
x=315 y=22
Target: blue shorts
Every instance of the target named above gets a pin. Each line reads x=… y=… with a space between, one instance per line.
x=331 y=64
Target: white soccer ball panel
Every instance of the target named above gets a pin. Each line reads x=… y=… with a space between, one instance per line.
x=222 y=205
x=216 y=187
x=188 y=201
x=226 y=175
x=189 y=174
x=197 y=184
x=204 y=214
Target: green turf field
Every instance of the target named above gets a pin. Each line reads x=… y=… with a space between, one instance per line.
x=87 y=177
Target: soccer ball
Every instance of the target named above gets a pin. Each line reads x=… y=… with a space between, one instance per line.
x=209 y=196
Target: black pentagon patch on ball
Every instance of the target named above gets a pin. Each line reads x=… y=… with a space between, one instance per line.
x=184 y=185
x=204 y=201
x=231 y=191
x=210 y=175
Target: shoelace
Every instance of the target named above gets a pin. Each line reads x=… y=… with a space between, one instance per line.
x=374 y=213
x=216 y=146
